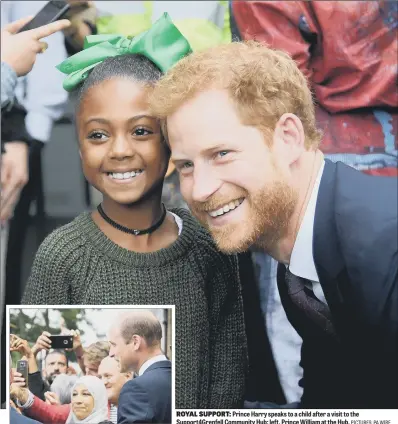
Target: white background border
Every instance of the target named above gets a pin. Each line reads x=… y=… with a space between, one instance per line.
x=5 y=413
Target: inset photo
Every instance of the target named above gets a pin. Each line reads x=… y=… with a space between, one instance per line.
x=97 y=365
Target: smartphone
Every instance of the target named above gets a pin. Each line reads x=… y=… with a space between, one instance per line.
x=51 y=12
x=61 y=342
x=22 y=367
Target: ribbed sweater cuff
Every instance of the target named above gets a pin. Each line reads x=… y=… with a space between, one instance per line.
x=8 y=83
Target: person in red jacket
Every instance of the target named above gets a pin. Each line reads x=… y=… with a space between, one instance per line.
x=52 y=411
x=348 y=52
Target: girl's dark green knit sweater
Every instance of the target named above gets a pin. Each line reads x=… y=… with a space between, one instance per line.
x=77 y=264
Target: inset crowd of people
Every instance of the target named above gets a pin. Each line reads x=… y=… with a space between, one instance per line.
x=121 y=380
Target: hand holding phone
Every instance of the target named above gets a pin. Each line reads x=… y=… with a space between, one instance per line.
x=43 y=342
x=19 y=50
x=23 y=370
x=17 y=378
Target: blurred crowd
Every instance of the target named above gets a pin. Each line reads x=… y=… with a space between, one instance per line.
x=347 y=51
x=84 y=384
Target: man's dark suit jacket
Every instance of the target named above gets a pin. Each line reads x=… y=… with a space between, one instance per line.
x=355 y=253
x=147 y=398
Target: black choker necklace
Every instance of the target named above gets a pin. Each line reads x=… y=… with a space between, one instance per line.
x=128 y=230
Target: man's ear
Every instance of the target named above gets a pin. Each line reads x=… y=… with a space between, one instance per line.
x=136 y=342
x=289 y=137
x=128 y=375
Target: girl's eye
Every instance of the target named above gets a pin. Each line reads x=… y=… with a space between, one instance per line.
x=222 y=153
x=140 y=132
x=96 y=135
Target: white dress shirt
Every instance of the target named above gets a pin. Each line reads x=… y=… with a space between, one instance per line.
x=113 y=414
x=302 y=260
x=150 y=362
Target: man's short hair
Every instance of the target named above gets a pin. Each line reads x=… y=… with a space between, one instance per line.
x=57 y=352
x=141 y=323
x=263 y=84
x=96 y=352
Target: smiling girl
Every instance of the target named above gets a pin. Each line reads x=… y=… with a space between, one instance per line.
x=131 y=250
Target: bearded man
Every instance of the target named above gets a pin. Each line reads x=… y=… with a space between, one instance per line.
x=240 y=121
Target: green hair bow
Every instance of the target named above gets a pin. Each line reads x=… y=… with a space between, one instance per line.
x=163 y=44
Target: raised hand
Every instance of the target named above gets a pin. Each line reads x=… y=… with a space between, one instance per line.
x=52 y=398
x=19 y=50
x=20 y=345
x=77 y=343
x=18 y=380
x=43 y=343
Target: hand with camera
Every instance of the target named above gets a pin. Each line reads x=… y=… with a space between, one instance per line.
x=77 y=347
x=77 y=343
x=19 y=50
x=18 y=379
x=43 y=343
x=17 y=344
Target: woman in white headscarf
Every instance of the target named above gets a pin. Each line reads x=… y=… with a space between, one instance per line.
x=89 y=401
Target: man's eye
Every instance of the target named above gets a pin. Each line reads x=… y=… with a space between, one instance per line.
x=185 y=168
x=96 y=135
x=140 y=132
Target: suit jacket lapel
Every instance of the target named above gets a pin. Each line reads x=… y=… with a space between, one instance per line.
x=328 y=259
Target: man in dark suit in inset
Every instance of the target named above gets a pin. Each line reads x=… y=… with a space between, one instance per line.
x=135 y=344
x=240 y=121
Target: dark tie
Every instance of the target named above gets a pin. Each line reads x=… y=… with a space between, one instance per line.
x=305 y=300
